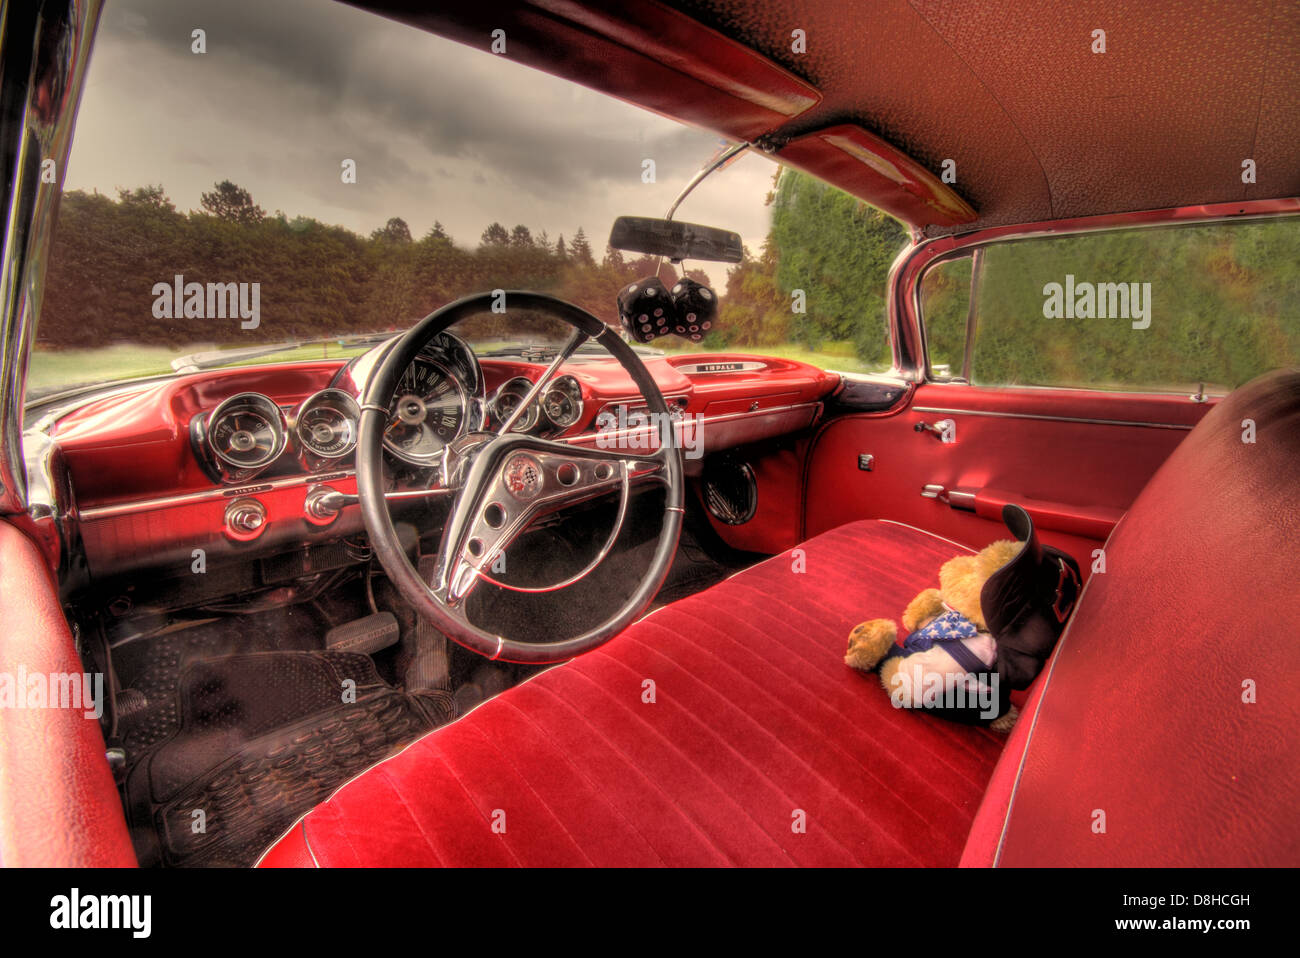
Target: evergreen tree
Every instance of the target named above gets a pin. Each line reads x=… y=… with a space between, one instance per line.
x=495 y=235
x=580 y=249
x=232 y=203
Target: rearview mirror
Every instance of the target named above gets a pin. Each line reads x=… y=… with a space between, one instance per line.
x=675 y=240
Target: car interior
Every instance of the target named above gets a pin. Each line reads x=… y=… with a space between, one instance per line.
x=423 y=596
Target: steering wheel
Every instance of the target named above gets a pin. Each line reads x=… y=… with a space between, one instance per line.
x=501 y=481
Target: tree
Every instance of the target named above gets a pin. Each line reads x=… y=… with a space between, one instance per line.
x=394 y=231
x=838 y=250
x=233 y=204
x=560 y=252
x=521 y=237
x=436 y=232
x=581 y=249
x=495 y=235
x=149 y=197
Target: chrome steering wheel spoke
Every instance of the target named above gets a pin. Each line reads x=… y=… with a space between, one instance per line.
x=516 y=481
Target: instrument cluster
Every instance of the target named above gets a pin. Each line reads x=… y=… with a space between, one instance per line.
x=438 y=398
x=559 y=407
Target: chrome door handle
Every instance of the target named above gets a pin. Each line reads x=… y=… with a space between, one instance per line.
x=945 y=430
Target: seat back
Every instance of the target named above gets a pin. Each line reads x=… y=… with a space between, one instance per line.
x=58 y=804
x=1166 y=728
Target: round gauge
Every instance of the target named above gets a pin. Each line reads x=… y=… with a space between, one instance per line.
x=428 y=410
x=563 y=402
x=246 y=431
x=507 y=400
x=326 y=424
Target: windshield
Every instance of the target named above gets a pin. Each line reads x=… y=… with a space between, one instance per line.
x=276 y=182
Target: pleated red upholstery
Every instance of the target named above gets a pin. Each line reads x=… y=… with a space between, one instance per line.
x=756 y=724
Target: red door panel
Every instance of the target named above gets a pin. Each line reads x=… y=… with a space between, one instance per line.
x=1075 y=459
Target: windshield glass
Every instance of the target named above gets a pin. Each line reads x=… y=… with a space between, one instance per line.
x=258 y=183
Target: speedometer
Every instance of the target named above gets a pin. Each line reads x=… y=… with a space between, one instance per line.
x=427 y=411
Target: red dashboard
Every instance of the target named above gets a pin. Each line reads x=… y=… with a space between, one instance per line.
x=144 y=496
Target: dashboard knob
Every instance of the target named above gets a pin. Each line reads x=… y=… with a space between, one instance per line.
x=322 y=505
x=245 y=519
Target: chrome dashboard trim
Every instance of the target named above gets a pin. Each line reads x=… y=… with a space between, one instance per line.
x=586 y=437
x=225 y=493
x=210 y=495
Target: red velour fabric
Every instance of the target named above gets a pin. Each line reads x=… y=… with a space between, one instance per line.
x=756 y=726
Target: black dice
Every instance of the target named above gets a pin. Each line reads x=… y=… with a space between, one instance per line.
x=695 y=307
x=646 y=310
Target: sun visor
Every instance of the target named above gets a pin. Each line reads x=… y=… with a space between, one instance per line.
x=641 y=51
x=866 y=166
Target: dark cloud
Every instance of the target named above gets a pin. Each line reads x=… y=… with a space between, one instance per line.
x=289 y=88
x=354 y=63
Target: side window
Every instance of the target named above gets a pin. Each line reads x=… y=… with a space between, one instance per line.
x=1151 y=309
x=945 y=303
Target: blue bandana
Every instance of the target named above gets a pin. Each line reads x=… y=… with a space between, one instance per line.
x=948 y=629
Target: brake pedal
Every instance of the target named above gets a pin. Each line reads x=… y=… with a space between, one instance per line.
x=368 y=635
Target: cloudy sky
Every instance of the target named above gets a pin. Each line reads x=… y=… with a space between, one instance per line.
x=288 y=89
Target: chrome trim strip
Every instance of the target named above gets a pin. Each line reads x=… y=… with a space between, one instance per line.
x=215 y=495
x=229 y=492
x=1027 y=415
x=638 y=404
x=586 y=437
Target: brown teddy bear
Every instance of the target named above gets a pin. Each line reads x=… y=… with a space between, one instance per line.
x=948 y=647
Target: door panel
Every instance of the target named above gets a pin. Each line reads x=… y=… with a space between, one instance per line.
x=1075 y=458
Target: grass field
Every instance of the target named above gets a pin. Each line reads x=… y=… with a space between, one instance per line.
x=832 y=355
x=51 y=369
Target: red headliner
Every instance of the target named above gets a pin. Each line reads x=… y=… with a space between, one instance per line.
x=1040 y=127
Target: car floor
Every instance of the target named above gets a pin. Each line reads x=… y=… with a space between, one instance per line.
x=235 y=725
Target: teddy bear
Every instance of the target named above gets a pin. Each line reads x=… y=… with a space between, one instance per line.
x=949 y=644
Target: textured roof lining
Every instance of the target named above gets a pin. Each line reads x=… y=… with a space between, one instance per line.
x=1040 y=126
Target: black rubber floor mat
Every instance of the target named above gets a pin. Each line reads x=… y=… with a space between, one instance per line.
x=153 y=668
x=262 y=739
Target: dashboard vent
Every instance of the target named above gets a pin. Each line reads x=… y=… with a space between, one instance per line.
x=730 y=490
